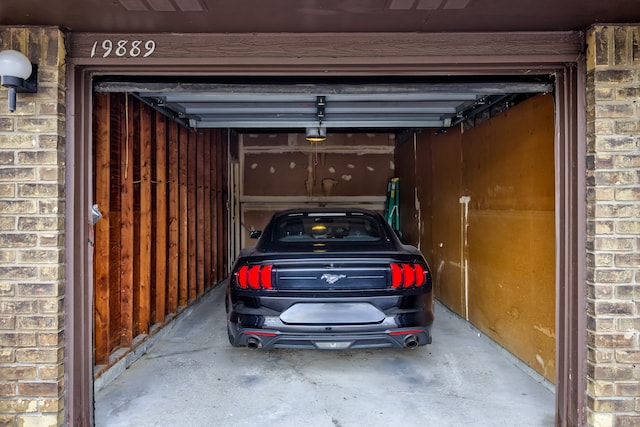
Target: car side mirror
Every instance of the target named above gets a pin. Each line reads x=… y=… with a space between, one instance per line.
x=255 y=234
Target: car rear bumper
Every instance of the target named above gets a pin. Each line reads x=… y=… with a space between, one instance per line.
x=395 y=338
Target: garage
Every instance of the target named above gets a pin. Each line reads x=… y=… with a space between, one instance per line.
x=50 y=296
x=475 y=156
x=471 y=163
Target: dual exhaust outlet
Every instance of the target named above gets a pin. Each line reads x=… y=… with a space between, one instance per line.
x=410 y=341
x=253 y=343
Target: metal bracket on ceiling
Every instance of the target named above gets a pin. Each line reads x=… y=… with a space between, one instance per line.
x=482 y=104
x=321 y=103
x=159 y=105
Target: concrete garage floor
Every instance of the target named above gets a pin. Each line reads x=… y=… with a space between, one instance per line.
x=192 y=377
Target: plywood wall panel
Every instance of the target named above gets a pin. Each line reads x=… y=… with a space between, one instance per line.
x=285 y=171
x=288 y=166
x=322 y=174
x=509 y=179
x=511 y=283
x=447 y=227
x=488 y=194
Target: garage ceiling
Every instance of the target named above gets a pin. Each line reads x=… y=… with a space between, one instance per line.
x=295 y=106
x=334 y=105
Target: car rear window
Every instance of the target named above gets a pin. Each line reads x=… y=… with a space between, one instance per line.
x=332 y=227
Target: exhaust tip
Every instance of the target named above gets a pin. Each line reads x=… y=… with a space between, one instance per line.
x=253 y=343
x=411 y=341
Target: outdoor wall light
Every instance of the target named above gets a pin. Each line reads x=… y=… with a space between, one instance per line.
x=17 y=74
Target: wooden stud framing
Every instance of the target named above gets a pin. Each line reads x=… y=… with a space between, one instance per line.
x=224 y=197
x=199 y=192
x=207 y=211
x=161 y=219
x=153 y=182
x=174 y=219
x=214 y=191
x=144 y=281
x=191 y=212
x=183 y=229
x=126 y=229
x=221 y=197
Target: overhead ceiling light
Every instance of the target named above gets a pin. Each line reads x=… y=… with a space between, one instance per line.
x=316 y=134
x=15 y=69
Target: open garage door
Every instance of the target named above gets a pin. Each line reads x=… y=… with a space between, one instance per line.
x=363 y=103
x=474 y=157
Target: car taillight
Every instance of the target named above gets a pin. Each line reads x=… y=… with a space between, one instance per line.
x=254 y=277
x=408 y=275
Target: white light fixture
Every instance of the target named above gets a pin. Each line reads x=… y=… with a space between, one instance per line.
x=316 y=134
x=17 y=74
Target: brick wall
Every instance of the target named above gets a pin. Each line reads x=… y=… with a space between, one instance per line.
x=32 y=237
x=613 y=218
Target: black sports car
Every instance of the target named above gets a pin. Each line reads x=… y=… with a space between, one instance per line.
x=329 y=279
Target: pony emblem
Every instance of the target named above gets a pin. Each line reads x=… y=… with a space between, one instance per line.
x=332 y=278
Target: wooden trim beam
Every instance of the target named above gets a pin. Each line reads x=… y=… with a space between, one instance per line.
x=291 y=52
x=102 y=141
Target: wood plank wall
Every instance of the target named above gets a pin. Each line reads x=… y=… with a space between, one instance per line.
x=161 y=243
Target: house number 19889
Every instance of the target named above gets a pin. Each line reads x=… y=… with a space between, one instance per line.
x=122 y=48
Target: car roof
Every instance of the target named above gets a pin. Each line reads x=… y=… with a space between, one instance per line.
x=323 y=210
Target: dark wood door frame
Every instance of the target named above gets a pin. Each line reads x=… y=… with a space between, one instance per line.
x=362 y=54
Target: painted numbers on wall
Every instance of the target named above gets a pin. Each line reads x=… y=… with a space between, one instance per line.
x=123 y=48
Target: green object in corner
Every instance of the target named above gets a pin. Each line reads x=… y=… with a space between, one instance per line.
x=391 y=205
